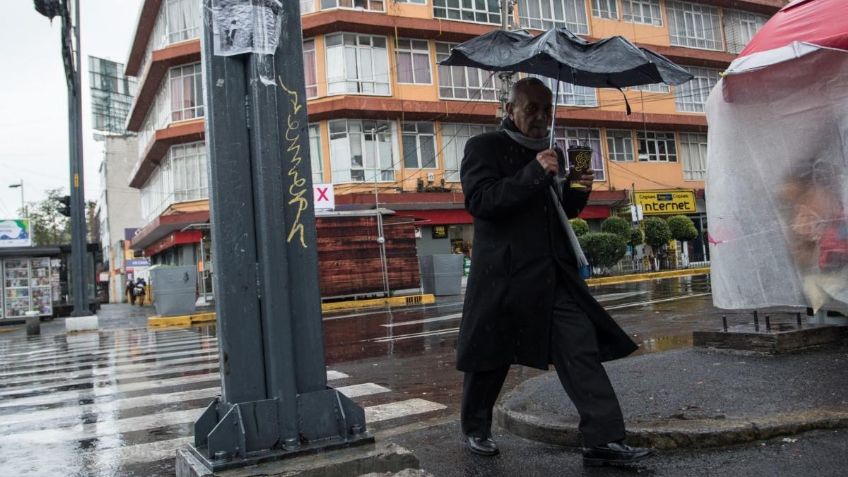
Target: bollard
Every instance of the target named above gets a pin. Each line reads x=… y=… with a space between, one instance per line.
x=33 y=323
x=798 y=320
x=724 y=322
x=756 y=321
x=768 y=323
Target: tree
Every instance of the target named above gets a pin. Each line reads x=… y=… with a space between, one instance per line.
x=580 y=226
x=618 y=226
x=636 y=237
x=603 y=249
x=657 y=235
x=682 y=228
x=49 y=227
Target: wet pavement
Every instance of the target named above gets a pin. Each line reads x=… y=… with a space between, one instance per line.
x=120 y=401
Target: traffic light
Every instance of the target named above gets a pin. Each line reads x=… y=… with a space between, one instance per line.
x=64 y=205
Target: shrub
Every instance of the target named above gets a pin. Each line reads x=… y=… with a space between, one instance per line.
x=580 y=226
x=636 y=237
x=618 y=226
x=682 y=228
x=657 y=233
x=603 y=249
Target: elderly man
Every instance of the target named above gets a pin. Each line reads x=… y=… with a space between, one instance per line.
x=526 y=302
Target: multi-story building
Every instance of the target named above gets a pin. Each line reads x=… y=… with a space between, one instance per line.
x=389 y=124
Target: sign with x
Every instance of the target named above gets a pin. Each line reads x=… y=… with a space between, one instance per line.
x=323 y=195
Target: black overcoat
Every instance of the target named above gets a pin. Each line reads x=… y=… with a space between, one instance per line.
x=519 y=249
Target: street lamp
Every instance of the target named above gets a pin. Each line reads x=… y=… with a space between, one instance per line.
x=23 y=202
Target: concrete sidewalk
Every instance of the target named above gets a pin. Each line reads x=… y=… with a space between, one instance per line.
x=697 y=398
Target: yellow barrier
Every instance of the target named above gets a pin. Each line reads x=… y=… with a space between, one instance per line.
x=181 y=320
x=641 y=277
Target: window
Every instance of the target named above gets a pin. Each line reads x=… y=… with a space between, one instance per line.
x=376 y=5
x=462 y=82
x=357 y=64
x=310 y=75
x=694 y=26
x=413 y=61
x=605 y=9
x=361 y=151
x=417 y=2
x=740 y=27
x=186 y=84
x=182 y=176
x=307 y=6
x=692 y=95
x=620 y=145
x=479 y=11
x=454 y=137
x=693 y=151
x=587 y=137
x=571 y=94
x=188 y=169
x=652 y=88
x=547 y=14
x=183 y=17
x=315 y=154
x=419 y=146
x=656 y=146
x=642 y=11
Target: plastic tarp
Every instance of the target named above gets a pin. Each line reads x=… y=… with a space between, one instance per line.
x=777 y=184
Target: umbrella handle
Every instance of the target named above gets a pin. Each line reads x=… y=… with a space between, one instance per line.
x=553 y=114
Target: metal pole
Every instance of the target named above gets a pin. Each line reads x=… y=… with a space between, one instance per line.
x=72 y=53
x=381 y=238
x=505 y=76
x=275 y=400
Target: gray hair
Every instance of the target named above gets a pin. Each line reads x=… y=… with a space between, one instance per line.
x=521 y=85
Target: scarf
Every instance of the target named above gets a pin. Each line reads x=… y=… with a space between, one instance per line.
x=540 y=144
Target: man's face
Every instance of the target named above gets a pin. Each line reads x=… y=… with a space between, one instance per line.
x=531 y=110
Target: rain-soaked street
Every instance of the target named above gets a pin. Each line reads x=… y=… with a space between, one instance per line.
x=119 y=402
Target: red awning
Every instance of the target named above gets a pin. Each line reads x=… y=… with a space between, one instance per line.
x=595 y=212
x=439 y=216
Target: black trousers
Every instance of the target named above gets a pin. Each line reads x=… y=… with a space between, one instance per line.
x=574 y=353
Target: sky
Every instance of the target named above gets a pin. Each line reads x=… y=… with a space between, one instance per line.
x=34 y=99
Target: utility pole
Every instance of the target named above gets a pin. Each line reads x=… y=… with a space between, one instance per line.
x=274 y=400
x=71 y=56
x=505 y=76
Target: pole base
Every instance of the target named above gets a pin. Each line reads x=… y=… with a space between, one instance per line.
x=360 y=452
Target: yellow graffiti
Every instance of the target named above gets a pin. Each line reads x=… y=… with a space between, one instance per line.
x=297 y=188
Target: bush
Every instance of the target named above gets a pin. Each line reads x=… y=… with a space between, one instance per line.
x=657 y=233
x=603 y=249
x=580 y=226
x=682 y=228
x=636 y=237
x=618 y=226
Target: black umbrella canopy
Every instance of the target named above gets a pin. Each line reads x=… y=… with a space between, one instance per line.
x=613 y=62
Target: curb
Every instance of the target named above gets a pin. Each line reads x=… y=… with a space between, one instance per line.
x=641 y=277
x=679 y=434
x=180 y=321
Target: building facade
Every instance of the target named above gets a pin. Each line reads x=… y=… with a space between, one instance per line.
x=388 y=124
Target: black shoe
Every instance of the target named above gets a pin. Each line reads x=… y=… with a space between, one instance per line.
x=481 y=445
x=614 y=453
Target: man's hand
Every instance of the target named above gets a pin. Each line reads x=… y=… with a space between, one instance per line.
x=548 y=160
x=586 y=180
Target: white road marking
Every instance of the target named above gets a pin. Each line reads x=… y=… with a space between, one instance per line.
x=425 y=320
x=97 y=348
x=414 y=335
x=651 y=302
x=162 y=419
x=392 y=410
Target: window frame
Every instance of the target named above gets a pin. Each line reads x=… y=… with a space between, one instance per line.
x=540 y=15
x=705 y=79
x=610 y=13
x=453 y=145
x=411 y=131
x=567 y=136
x=343 y=167
x=374 y=54
x=693 y=170
x=651 y=5
x=572 y=91
x=627 y=145
x=691 y=18
x=656 y=138
x=411 y=50
x=316 y=159
x=177 y=76
x=492 y=12
x=352 y=5
x=446 y=72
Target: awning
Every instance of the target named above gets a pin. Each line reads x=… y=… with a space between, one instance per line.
x=595 y=212
x=439 y=216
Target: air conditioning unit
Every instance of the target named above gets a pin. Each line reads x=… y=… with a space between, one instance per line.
x=431 y=177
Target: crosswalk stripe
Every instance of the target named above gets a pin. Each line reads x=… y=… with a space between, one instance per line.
x=392 y=410
x=104 y=356
x=96 y=348
x=157 y=358
x=131 y=424
x=117 y=405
